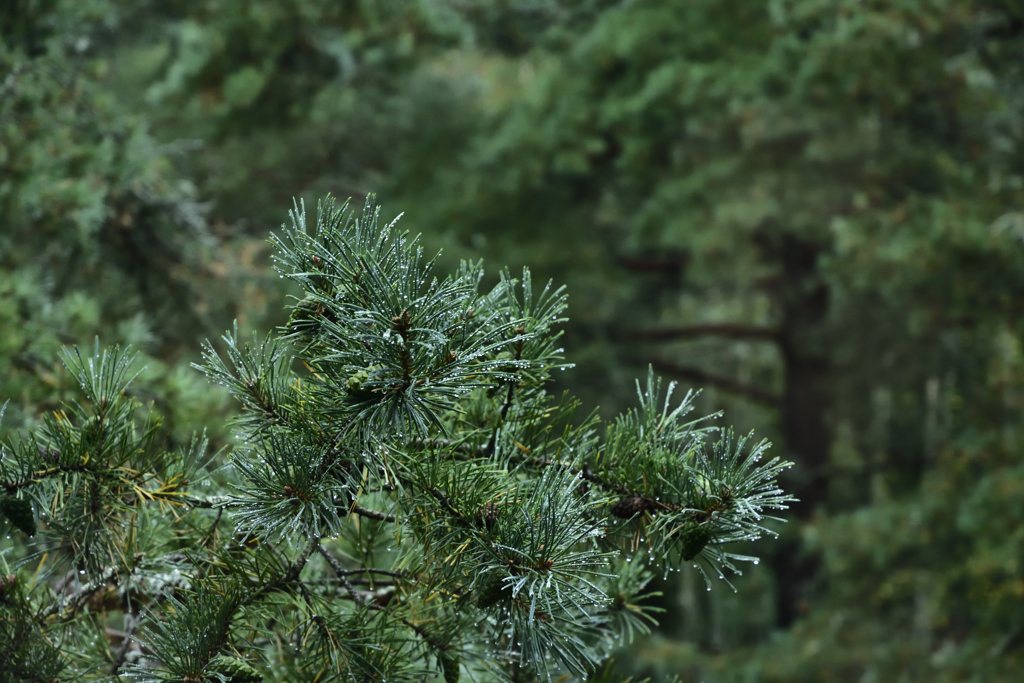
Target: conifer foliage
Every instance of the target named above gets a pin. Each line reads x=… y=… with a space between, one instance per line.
x=405 y=499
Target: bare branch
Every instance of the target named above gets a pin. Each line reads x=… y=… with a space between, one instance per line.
x=126 y=641
x=729 y=384
x=82 y=596
x=341 y=573
x=296 y=568
x=372 y=514
x=652 y=263
x=504 y=412
x=728 y=330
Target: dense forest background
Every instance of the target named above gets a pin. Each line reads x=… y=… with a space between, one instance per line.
x=812 y=209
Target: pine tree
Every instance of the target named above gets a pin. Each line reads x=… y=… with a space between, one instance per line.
x=405 y=499
x=100 y=233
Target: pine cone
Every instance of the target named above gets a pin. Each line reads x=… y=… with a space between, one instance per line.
x=304 y=316
x=19 y=511
x=450 y=666
x=487 y=516
x=490 y=592
x=627 y=507
x=354 y=384
x=235 y=670
x=695 y=536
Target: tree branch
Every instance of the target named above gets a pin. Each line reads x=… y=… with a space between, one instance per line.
x=341 y=574
x=479 y=451
x=133 y=624
x=81 y=596
x=729 y=330
x=489 y=448
x=126 y=641
x=372 y=514
x=725 y=383
x=651 y=263
x=296 y=568
x=212 y=503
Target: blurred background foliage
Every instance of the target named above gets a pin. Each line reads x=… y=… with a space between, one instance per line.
x=813 y=209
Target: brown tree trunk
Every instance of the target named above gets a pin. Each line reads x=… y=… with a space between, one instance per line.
x=806 y=402
x=808 y=373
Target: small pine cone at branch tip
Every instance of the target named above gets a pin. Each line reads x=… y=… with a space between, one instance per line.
x=629 y=506
x=695 y=537
x=19 y=511
x=490 y=592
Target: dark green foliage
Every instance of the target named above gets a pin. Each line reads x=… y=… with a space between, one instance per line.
x=812 y=209
x=260 y=80
x=100 y=235
x=28 y=655
x=189 y=643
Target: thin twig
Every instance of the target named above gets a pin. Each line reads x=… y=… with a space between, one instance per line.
x=504 y=411
x=79 y=598
x=208 y=541
x=332 y=560
x=372 y=514
x=373 y=570
x=122 y=651
x=728 y=330
x=206 y=503
x=448 y=443
x=725 y=383
x=296 y=568
x=317 y=619
x=340 y=571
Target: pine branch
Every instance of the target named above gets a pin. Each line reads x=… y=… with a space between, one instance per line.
x=296 y=568
x=728 y=330
x=333 y=562
x=654 y=264
x=57 y=470
x=372 y=582
x=133 y=624
x=126 y=641
x=410 y=382
x=342 y=575
x=479 y=451
x=382 y=572
x=372 y=514
x=320 y=622
x=215 y=502
x=341 y=571
x=81 y=596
